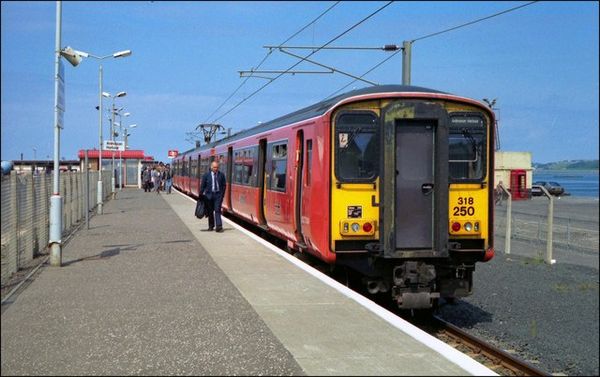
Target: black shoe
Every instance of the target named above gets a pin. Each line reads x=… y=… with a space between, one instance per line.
x=219 y=230
x=208 y=230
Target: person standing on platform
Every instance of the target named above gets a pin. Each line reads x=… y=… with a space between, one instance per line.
x=147 y=178
x=212 y=187
x=168 y=179
x=158 y=183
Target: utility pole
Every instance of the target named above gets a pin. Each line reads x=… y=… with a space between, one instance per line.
x=406 y=61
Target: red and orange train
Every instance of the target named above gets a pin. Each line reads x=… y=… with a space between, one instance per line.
x=392 y=183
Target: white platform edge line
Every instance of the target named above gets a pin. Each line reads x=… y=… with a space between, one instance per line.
x=463 y=361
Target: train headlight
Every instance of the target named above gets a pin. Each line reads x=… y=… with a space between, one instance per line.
x=468 y=227
x=358 y=227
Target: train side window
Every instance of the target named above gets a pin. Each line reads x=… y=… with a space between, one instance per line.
x=278 y=167
x=194 y=167
x=243 y=167
x=248 y=168
x=254 y=178
x=308 y=160
x=237 y=168
x=356 y=147
x=223 y=166
x=203 y=166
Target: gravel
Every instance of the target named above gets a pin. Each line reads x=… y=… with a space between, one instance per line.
x=547 y=315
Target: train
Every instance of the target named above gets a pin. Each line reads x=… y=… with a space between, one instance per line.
x=391 y=184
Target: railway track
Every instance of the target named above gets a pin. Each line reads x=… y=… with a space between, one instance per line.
x=492 y=357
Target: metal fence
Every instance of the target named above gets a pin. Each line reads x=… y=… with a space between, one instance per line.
x=569 y=233
x=25 y=212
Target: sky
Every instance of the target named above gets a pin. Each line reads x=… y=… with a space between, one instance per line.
x=540 y=62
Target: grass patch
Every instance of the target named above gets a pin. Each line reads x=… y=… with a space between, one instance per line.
x=588 y=287
x=561 y=288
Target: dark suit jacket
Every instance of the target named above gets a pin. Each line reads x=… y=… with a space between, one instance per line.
x=206 y=184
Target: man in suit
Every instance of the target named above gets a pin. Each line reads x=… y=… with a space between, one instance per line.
x=213 y=186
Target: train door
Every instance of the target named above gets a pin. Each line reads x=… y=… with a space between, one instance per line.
x=229 y=177
x=299 y=183
x=414 y=185
x=262 y=157
x=415 y=192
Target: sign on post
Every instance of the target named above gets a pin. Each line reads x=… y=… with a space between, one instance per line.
x=60 y=96
x=173 y=153
x=113 y=145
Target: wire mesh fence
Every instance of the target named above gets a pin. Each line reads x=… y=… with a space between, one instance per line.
x=569 y=233
x=25 y=212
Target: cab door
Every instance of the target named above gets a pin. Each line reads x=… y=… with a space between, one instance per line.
x=414 y=176
x=415 y=189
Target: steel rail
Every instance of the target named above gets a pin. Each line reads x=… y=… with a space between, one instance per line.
x=495 y=354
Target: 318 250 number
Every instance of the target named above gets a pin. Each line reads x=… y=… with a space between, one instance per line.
x=464 y=211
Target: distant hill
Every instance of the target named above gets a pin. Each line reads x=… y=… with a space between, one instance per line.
x=568 y=165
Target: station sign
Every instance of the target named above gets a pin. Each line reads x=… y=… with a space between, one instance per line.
x=173 y=153
x=113 y=145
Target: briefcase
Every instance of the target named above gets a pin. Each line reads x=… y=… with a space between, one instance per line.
x=200 y=208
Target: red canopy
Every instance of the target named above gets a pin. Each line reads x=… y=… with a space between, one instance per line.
x=129 y=154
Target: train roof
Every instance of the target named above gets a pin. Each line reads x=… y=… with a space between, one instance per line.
x=315 y=110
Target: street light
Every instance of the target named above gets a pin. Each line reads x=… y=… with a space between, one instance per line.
x=75 y=57
x=120 y=154
x=124 y=134
x=112 y=134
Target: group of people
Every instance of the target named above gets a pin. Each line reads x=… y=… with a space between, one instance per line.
x=158 y=177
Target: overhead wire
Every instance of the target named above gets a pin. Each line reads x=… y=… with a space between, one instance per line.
x=432 y=35
x=269 y=54
x=472 y=22
x=306 y=57
x=364 y=74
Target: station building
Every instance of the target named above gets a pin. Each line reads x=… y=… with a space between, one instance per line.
x=129 y=161
x=515 y=172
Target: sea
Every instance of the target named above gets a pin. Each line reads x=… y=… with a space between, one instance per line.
x=577 y=183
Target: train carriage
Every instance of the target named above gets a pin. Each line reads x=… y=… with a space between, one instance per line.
x=392 y=183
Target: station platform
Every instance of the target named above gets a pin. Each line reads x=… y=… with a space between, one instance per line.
x=144 y=291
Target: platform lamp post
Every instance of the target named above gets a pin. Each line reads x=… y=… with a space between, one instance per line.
x=120 y=151
x=83 y=54
x=124 y=130
x=126 y=134
x=112 y=137
x=56 y=209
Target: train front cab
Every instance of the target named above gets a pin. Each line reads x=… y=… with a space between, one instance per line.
x=410 y=196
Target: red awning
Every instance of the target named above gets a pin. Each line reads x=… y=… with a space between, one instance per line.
x=129 y=154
